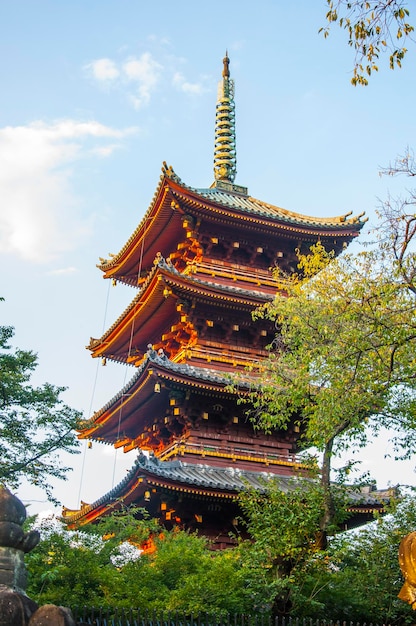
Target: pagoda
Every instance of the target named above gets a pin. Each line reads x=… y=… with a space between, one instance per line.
x=201 y=260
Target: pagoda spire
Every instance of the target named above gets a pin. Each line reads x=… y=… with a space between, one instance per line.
x=225 y=156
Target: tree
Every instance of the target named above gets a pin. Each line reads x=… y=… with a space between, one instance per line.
x=35 y=424
x=356 y=579
x=362 y=579
x=343 y=361
x=90 y=567
x=373 y=27
x=281 y=559
x=184 y=575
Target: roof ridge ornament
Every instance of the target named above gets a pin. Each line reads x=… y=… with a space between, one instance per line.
x=225 y=156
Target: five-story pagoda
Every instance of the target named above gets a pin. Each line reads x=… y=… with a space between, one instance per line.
x=201 y=261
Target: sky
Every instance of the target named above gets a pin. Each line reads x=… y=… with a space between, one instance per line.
x=96 y=95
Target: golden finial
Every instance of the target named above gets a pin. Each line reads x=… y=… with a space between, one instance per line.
x=226 y=70
x=225 y=157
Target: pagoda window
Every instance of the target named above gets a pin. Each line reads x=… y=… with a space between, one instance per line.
x=240 y=255
x=219 y=251
x=216 y=332
x=245 y=337
x=263 y=260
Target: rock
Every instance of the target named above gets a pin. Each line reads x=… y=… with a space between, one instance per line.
x=13 y=572
x=11 y=534
x=29 y=541
x=11 y=508
x=15 y=608
x=52 y=615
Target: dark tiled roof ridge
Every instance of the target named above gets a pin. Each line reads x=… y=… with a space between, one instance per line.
x=192 y=371
x=160 y=262
x=220 y=478
x=243 y=202
x=205 y=476
x=228 y=199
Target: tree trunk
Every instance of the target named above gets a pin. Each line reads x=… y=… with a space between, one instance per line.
x=329 y=510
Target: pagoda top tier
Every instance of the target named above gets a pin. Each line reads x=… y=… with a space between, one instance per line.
x=225 y=208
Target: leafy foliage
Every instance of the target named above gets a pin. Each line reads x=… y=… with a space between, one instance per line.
x=284 y=526
x=373 y=27
x=363 y=577
x=68 y=569
x=35 y=424
x=342 y=364
x=182 y=574
x=356 y=579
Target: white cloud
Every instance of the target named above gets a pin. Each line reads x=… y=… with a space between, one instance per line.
x=141 y=73
x=103 y=69
x=180 y=83
x=144 y=71
x=38 y=206
x=140 y=76
x=105 y=151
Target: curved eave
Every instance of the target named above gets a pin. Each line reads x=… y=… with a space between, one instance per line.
x=239 y=205
x=147 y=311
x=151 y=307
x=177 y=477
x=215 y=291
x=278 y=222
x=160 y=227
x=137 y=400
x=133 y=491
x=126 y=412
x=200 y=481
x=162 y=224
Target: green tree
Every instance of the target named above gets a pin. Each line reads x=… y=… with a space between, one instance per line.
x=184 y=575
x=282 y=557
x=35 y=425
x=343 y=361
x=362 y=578
x=84 y=567
x=373 y=27
x=70 y=568
x=91 y=568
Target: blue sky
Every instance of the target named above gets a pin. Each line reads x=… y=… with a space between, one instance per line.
x=96 y=95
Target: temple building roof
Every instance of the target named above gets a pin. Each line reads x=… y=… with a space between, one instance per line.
x=154 y=368
x=260 y=209
x=173 y=201
x=152 y=305
x=203 y=480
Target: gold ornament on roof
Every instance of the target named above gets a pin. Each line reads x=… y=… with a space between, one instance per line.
x=225 y=156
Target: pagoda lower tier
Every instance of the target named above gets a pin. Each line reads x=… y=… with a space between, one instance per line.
x=203 y=498
x=180 y=411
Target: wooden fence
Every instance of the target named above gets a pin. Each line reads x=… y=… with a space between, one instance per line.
x=133 y=617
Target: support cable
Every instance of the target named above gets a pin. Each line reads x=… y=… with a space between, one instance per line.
x=129 y=352
x=94 y=387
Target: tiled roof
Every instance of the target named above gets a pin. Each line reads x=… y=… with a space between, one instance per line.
x=244 y=203
x=227 y=479
x=205 y=476
x=201 y=476
x=202 y=374
x=161 y=263
x=259 y=208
